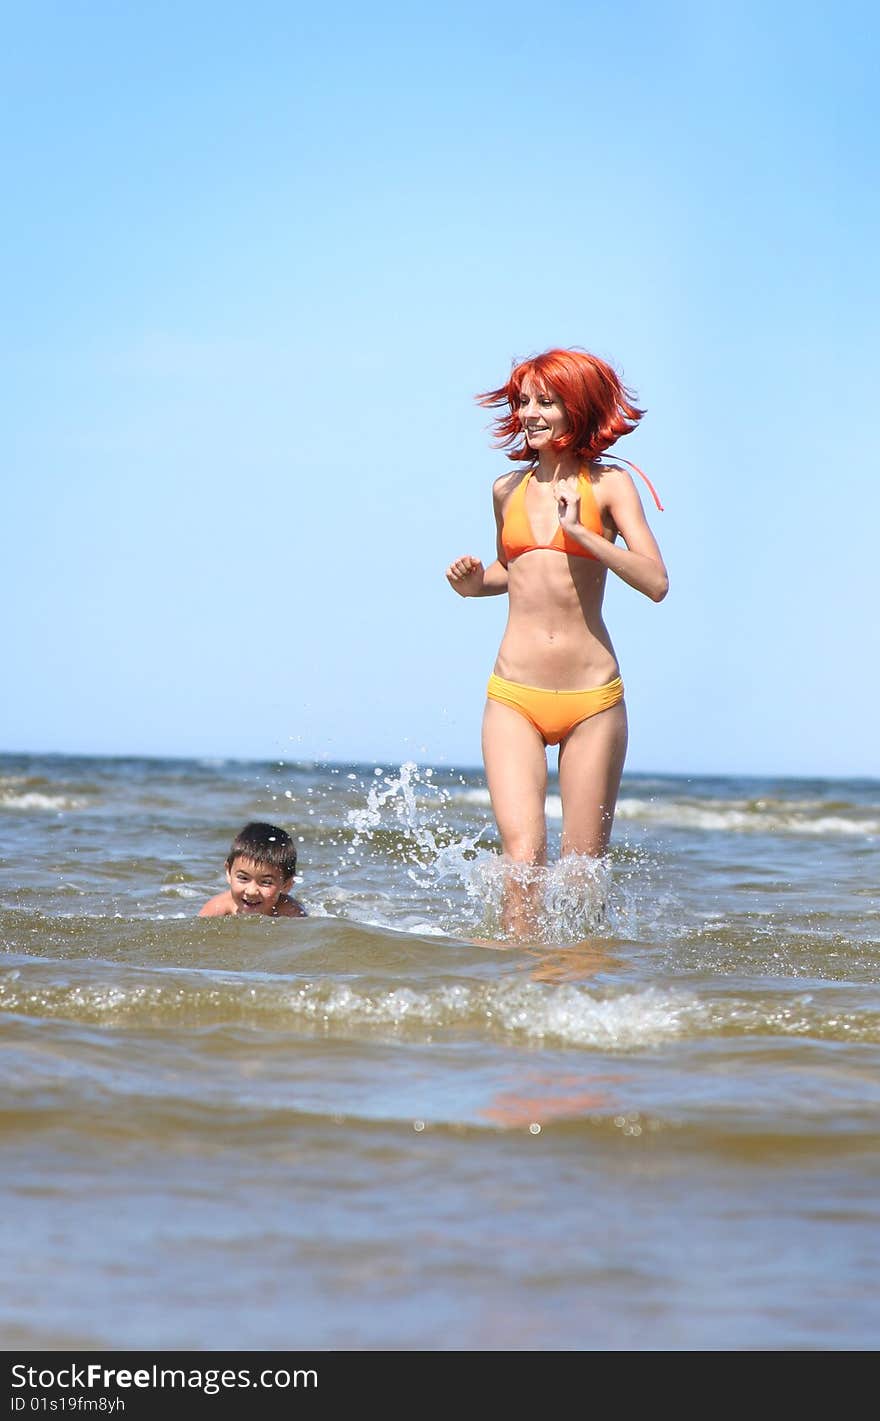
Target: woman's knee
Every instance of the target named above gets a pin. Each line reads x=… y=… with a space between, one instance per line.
x=523 y=847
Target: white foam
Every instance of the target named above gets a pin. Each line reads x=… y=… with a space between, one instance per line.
x=472 y=796
x=481 y=798
x=532 y=1010
x=424 y=929
x=740 y=817
x=33 y=800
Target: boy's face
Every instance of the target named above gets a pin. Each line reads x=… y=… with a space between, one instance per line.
x=255 y=887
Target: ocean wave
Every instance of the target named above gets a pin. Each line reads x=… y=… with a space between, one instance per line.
x=814 y=816
x=527 y=1010
x=532 y=1012
x=31 y=799
x=481 y=799
x=745 y=816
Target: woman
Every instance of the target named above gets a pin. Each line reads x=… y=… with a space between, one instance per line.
x=556 y=679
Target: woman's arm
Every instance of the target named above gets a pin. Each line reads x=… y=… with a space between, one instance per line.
x=640 y=563
x=467 y=576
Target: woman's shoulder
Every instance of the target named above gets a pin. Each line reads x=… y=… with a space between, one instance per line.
x=506 y=483
x=620 y=481
x=609 y=478
x=607 y=468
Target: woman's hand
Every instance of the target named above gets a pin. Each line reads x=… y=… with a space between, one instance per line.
x=568 y=506
x=465 y=576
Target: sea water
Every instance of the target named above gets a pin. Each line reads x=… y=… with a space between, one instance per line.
x=655 y=1125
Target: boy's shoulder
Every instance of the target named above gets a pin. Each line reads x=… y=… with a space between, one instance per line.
x=288 y=907
x=220 y=906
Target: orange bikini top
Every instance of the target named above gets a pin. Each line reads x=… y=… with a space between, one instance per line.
x=516 y=530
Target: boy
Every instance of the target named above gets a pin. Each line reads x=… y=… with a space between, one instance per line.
x=259 y=870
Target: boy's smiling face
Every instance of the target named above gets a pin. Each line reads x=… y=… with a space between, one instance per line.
x=255 y=887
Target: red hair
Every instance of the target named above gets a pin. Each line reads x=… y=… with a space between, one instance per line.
x=599 y=407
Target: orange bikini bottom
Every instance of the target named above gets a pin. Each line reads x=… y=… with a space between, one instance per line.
x=554 y=713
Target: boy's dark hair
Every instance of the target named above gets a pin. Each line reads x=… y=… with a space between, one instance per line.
x=264 y=844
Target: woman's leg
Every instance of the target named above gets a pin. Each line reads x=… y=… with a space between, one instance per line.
x=590 y=766
x=516 y=772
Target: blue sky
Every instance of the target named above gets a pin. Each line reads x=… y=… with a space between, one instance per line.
x=259 y=259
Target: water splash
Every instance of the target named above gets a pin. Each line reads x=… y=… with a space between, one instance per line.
x=406 y=815
x=398 y=792
x=569 y=901
x=415 y=805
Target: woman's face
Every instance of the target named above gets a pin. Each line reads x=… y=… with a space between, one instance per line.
x=541 y=414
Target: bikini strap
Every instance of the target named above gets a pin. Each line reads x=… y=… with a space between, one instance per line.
x=617 y=458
